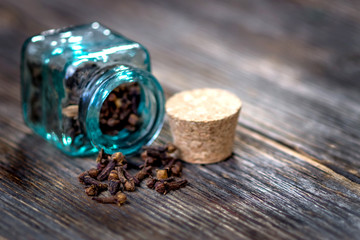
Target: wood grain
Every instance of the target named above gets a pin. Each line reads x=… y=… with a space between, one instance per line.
x=295 y=170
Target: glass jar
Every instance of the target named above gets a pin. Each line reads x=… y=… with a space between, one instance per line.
x=75 y=79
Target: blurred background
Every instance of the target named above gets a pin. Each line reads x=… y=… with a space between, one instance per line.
x=221 y=39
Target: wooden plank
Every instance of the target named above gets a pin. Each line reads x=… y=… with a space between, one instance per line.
x=258 y=191
x=294 y=173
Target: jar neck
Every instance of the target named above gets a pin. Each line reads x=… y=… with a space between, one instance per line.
x=150 y=110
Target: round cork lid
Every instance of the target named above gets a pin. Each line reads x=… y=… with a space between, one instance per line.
x=203 y=105
x=203 y=123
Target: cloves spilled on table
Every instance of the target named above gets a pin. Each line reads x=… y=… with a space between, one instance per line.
x=113 y=169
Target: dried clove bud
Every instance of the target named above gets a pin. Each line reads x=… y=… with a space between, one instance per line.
x=102 y=160
x=176 y=169
x=165 y=187
x=169 y=162
x=100 y=156
x=105 y=200
x=81 y=177
x=91 y=181
x=119 y=199
x=133 y=119
x=129 y=186
x=113 y=175
x=171 y=186
x=160 y=187
x=170 y=179
x=100 y=166
x=114 y=182
x=119 y=158
x=150 y=161
x=153 y=160
x=106 y=171
x=131 y=178
x=93 y=190
x=114 y=186
x=143 y=173
x=155 y=148
x=118 y=103
x=112 y=97
x=93 y=172
x=150 y=183
x=121 y=176
x=162 y=174
x=151 y=152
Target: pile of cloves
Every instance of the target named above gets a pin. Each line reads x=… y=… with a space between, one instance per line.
x=168 y=168
x=112 y=175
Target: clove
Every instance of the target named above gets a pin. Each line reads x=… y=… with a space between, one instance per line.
x=129 y=185
x=151 y=152
x=82 y=176
x=143 y=173
x=131 y=178
x=87 y=180
x=164 y=187
x=169 y=162
x=119 y=199
x=102 y=160
x=150 y=183
x=176 y=169
x=162 y=174
x=160 y=187
x=175 y=185
x=106 y=171
x=121 y=176
x=93 y=190
x=93 y=172
x=114 y=182
x=119 y=158
x=100 y=156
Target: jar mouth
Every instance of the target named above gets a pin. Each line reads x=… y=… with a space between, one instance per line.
x=150 y=110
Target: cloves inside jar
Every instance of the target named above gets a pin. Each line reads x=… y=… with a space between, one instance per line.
x=120 y=109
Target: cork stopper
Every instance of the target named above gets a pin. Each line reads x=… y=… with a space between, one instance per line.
x=203 y=123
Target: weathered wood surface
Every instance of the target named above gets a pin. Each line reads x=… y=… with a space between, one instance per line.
x=295 y=172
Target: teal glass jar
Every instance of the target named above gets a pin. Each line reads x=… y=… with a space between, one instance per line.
x=67 y=77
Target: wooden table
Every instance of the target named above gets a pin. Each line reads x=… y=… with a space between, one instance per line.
x=295 y=171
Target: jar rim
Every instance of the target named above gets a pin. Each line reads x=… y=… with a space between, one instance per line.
x=151 y=109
